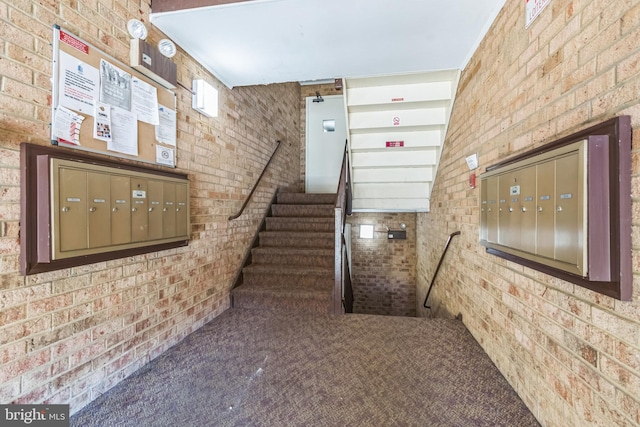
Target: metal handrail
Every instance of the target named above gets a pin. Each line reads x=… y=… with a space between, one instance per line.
x=446 y=246
x=342 y=209
x=246 y=202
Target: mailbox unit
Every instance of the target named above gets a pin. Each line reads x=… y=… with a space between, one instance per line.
x=565 y=208
x=77 y=209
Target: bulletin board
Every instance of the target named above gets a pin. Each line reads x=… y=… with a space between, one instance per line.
x=104 y=106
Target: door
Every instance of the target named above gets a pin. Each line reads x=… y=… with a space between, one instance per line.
x=326 y=135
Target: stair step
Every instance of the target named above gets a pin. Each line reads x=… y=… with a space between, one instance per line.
x=289 y=198
x=311 y=210
x=297 y=239
x=291 y=277
x=293 y=256
x=300 y=224
x=282 y=298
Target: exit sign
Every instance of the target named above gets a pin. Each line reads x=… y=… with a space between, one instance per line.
x=392 y=144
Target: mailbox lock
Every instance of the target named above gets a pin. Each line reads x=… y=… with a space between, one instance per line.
x=177 y=209
x=92 y=209
x=539 y=208
x=510 y=209
x=524 y=209
x=134 y=209
x=559 y=209
x=164 y=209
x=114 y=210
x=65 y=209
x=150 y=209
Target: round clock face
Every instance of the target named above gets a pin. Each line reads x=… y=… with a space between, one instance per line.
x=167 y=48
x=136 y=29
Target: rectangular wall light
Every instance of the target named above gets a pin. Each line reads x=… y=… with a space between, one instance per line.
x=204 y=98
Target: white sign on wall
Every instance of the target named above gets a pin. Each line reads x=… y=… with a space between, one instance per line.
x=533 y=9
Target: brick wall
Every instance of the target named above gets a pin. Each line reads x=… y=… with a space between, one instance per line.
x=573 y=355
x=67 y=336
x=383 y=271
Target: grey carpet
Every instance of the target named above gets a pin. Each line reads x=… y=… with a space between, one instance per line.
x=261 y=368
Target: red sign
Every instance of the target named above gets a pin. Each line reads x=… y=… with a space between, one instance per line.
x=397 y=99
x=74 y=42
x=393 y=144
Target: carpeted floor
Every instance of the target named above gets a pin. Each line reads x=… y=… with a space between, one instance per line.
x=260 y=368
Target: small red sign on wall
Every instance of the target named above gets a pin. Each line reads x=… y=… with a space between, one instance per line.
x=392 y=144
x=74 y=42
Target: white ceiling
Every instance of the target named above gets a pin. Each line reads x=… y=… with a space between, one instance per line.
x=275 y=41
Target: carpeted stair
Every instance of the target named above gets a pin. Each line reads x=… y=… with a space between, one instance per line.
x=292 y=269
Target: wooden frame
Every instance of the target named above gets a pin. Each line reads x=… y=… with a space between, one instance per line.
x=609 y=210
x=35 y=210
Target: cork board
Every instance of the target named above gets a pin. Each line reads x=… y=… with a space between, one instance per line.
x=104 y=106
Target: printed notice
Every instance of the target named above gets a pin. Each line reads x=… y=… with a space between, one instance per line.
x=164 y=156
x=124 y=132
x=166 y=129
x=78 y=84
x=102 y=122
x=67 y=126
x=115 y=86
x=144 y=101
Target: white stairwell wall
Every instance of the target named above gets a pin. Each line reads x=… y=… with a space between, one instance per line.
x=396 y=126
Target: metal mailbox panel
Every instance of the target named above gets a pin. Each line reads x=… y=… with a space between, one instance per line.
x=182 y=210
x=120 y=209
x=568 y=201
x=169 y=209
x=542 y=209
x=156 y=203
x=139 y=210
x=99 y=215
x=72 y=210
x=545 y=210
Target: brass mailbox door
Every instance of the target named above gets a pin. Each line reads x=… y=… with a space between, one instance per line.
x=72 y=210
x=169 y=209
x=492 y=209
x=527 y=209
x=139 y=210
x=182 y=210
x=156 y=203
x=483 y=209
x=99 y=209
x=120 y=209
x=545 y=210
x=506 y=231
x=568 y=217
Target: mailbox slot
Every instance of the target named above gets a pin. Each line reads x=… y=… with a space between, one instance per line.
x=565 y=208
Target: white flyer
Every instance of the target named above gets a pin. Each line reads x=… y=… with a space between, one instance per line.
x=144 y=101
x=166 y=129
x=67 y=126
x=102 y=122
x=165 y=156
x=115 y=86
x=124 y=132
x=79 y=84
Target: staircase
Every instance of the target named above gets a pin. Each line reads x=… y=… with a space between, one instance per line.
x=292 y=269
x=397 y=125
